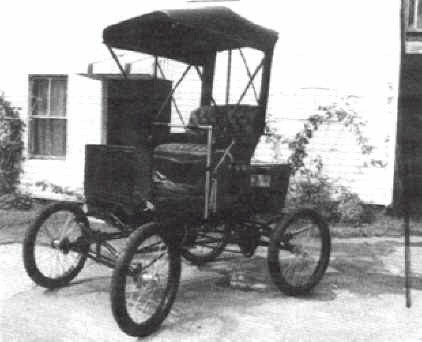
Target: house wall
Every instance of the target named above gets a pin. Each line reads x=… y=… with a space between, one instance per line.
x=320 y=45
x=84 y=126
x=334 y=143
x=337 y=145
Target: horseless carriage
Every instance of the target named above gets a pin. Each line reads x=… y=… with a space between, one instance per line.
x=181 y=194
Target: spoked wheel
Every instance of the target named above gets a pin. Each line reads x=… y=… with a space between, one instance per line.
x=145 y=281
x=299 y=252
x=205 y=242
x=55 y=247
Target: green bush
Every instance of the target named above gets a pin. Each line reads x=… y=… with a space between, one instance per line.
x=11 y=146
x=11 y=156
x=309 y=187
x=351 y=210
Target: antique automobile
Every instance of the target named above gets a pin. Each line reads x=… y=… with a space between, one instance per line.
x=181 y=190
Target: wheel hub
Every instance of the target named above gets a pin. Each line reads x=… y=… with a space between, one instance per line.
x=137 y=275
x=63 y=245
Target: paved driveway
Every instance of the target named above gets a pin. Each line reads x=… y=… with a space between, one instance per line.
x=361 y=298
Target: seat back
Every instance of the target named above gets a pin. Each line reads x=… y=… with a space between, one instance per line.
x=229 y=122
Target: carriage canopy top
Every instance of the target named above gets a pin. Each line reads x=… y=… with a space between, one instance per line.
x=188 y=35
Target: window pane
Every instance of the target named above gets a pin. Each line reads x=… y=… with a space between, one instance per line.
x=411 y=11
x=39 y=96
x=419 y=15
x=58 y=97
x=48 y=137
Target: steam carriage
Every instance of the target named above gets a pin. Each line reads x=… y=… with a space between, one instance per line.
x=181 y=194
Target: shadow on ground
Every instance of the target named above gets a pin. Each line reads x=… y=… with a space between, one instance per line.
x=207 y=295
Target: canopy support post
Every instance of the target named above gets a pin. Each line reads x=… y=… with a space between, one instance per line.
x=207 y=80
x=116 y=59
x=201 y=77
x=156 y=66
x=229 y=74
x=265 y=86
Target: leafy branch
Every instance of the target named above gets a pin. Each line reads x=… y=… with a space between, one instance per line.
x=334 y=113
x=11 y=146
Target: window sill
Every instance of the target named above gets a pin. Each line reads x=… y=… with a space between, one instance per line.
x=42 y=157
x=414 y=32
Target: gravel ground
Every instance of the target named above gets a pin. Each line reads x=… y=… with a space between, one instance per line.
x=361 y=298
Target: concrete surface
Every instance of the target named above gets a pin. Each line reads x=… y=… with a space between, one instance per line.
x=361 y=298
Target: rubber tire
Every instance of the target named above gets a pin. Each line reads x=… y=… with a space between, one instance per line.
x=118 y=283
x=199 y=259
x=29 y=240
x=273 y=253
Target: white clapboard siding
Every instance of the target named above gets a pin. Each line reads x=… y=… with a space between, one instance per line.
x=83 y=127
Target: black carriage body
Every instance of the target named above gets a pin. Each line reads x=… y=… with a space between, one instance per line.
x=269 y=185
x=119 y=178
x=184 y=190
x=208 y=168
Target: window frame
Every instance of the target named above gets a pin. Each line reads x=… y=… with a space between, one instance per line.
x=49 y=77
x=413 y=27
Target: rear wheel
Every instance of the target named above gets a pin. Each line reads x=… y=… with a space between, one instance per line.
x=299 y=252
x=145 y=281
x=205 y=242
x=56 y=246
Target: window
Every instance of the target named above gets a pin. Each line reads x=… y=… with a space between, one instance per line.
x=414 y=15
x=47 y=116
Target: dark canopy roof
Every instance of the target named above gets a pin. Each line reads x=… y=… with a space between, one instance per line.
x=188 y=35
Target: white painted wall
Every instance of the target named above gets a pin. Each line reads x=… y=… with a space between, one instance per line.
x=84 y=120
x=350 y=47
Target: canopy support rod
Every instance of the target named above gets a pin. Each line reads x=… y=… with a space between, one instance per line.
x=170 y=95
x=155 y=66
x=116 y=59
x=173 y=100
x=251 y=79
x=248 y=71
x=229 y=74
x=247 y=86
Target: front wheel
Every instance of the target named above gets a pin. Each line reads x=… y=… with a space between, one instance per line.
x=299 y=252
x=56 y=245
x=145 y=281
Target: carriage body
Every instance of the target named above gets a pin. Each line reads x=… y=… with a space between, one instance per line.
x=174 y=194
x=207 y=169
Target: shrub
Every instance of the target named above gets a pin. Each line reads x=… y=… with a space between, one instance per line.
x=351 y=210
x=336 y=204
x=309 y=187
x=11 y=156
x=11 y=146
